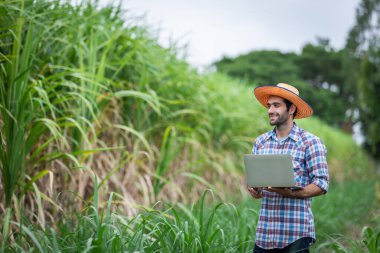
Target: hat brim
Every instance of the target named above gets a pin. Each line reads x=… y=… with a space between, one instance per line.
x=262 y=94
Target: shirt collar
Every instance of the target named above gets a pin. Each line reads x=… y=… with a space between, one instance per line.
x=294 y=133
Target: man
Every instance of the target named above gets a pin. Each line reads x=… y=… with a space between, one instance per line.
x=286 y=222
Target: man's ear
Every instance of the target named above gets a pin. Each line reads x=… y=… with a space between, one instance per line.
x=292 y=109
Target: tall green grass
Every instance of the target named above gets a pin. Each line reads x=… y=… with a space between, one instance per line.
x=26 y=110
x=344 y=211
x=207 y=225
x=221 y=227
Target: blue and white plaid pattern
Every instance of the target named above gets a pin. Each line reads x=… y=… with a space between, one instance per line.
x=285 y=220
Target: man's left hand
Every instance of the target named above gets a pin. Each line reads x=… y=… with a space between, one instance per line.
x=286 y=192
x=311 y=190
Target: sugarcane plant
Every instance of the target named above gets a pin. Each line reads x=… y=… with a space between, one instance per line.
x=27 y=112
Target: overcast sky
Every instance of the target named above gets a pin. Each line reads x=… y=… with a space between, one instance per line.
x=230 y=27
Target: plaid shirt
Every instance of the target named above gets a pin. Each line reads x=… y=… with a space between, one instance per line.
x=284 y=220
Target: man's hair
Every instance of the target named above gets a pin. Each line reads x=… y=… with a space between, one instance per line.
x=288 y=105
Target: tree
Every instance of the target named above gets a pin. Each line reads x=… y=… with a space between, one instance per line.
x=363 y=49
x=321 y=65
x=261 y=67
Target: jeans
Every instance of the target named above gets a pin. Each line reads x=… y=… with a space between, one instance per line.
x=300 y=246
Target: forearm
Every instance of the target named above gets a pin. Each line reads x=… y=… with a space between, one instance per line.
x=309 y=191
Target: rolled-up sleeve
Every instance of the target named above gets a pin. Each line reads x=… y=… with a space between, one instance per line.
x=316 y=163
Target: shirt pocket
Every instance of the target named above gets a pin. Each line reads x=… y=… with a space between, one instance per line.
x=301 y=174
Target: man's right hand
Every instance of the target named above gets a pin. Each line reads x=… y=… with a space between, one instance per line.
x=255 y=192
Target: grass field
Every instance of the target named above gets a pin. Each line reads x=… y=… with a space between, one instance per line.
x=208 y=225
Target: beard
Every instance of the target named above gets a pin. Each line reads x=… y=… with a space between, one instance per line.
x=279 y=120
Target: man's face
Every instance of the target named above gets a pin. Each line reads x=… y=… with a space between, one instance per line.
x=277 y=112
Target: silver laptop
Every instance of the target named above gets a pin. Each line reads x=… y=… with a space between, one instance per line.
x=269 y=170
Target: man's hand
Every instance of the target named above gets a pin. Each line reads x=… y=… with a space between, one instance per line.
x=285 y=192
x=309 y=191
x=255 y=192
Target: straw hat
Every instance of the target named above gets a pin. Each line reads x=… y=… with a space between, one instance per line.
x=287 y=91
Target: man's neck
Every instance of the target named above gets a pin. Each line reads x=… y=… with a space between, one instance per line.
x=283 y=130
